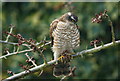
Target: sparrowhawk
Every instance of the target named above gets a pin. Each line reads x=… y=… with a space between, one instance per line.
x=65 y=37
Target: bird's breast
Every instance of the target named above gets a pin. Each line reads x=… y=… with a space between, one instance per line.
x=66 y=35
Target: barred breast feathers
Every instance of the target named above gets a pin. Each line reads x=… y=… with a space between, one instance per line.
x=62 y=31
x=65 y=37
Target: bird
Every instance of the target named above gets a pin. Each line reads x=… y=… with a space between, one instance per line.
x=65 y=38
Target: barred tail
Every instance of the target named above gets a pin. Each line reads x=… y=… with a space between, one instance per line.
x=61 y=68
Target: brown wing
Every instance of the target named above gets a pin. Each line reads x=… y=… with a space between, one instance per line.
x=53 y=26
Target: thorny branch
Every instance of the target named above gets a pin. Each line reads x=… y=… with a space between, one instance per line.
x=99 y=18
x=33 y=47
x=30 y=59
x=23 y=51
x=5 y=42
x=11 y=29
x=30 y=42
x=89 y=51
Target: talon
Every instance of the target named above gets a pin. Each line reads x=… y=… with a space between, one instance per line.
x=61 y=57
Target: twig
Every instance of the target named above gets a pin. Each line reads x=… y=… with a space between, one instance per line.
x=34 y=69
x=99 y=18
x=29 y=58
x=5 y=42
x=112 y=30
x=11 y=29
x=93 y=50
x=42 y=56
x=19 y=75
x=10 y=54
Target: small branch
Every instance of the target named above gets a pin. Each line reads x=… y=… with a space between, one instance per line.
x=112 y=30
x=42 y=56
x=93 y=50
x=19 y=75
x=30 y=59
x=11 y=43
x=11 y=29
x=10 y=54
x=89 y=51
x=99 y=18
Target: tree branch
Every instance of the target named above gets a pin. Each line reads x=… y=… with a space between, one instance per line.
x=34 y=69
x=10 y=54
x=30 y=59
x=96 y=49
x=11 y=29
x=21 y=74
x=5 y=42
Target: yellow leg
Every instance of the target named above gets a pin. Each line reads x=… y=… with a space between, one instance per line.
x=65 y=56
x=61 y=57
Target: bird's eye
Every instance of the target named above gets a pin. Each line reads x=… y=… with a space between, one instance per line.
x=73 y=18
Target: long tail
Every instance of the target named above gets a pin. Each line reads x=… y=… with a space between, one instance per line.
x=62 y=67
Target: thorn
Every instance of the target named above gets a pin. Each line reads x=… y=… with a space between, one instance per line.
x=40 y=73
x=86 y=47
x=102 y=43
x=82 y=56
x=5 y=57
x=45 y=62
x=17 y=49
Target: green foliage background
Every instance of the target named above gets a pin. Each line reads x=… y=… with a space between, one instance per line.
x=32 y=20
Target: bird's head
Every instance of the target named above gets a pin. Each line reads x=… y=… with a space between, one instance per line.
x=71 y=17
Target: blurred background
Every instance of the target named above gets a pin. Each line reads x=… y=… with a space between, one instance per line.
x=32 y=20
